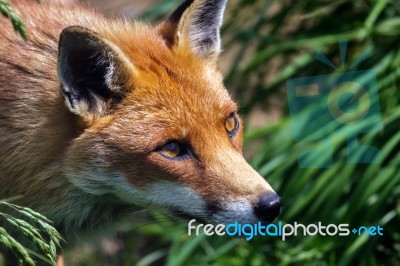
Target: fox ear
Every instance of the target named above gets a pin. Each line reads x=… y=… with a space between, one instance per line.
x=91 y=70
x=195 y=25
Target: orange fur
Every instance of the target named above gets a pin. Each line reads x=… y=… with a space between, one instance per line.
x=170 y=94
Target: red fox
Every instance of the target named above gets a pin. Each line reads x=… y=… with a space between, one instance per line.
x=100 y=114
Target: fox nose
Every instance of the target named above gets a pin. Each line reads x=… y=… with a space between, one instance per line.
x=268 y=207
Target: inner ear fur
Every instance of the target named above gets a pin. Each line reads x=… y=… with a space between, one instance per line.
x=195 y=25
x=92 y=72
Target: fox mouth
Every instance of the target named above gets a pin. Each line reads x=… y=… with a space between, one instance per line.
x=211 y=210
x=209 y=218
x=238 y=211
x=187 y=216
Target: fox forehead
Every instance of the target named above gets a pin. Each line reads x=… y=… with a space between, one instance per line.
x=169 y=84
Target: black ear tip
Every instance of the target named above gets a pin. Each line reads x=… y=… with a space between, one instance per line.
x=177 y=14
x=77 y=32
x=76 y=29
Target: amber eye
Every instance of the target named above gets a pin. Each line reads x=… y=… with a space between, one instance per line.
x=231 y=124
x=172 y=149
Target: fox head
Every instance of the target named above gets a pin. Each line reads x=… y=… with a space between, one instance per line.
x=160 y=127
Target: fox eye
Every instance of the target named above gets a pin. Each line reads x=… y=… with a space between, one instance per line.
x=231 y=124
x=173 y=149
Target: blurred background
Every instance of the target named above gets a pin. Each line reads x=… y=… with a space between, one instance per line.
x=266 y=43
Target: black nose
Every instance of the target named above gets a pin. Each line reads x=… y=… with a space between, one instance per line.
x=268 y=207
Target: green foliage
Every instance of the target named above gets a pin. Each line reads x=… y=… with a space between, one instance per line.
x=34 y=229
x=7 y=11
